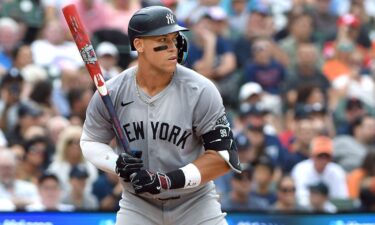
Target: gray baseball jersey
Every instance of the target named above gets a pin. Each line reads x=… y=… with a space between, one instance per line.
x=167 y=127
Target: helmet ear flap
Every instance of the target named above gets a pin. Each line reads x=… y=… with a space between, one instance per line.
x=182 y=48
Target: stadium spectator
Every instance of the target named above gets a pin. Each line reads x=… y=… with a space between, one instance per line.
x=107 y=189
x=239 y=197
x=212 y=55
x=262 y=179
x=55 y=126
x=267 y=72
x=298 y=143
x=53 y=51
x=10 y=89
x=50 y=195
x=79 y=99
x=68 y=154
x=286 y=196
x=306 y=73
x=320 y=168
x=300 y=31
x=120 y=12
x=256 y=114
x=10 y=35
x=95 y=14
x=350 y=150
x=259 y=24
x=319 y=199
x=31 y=167
x=77 y=196
x=363 y=177
x=325 y=28
x=347 y=111
x=108 y=57
x=29 y=114
x=14 y=192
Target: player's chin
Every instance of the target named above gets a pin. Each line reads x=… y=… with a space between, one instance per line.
x=171 y=65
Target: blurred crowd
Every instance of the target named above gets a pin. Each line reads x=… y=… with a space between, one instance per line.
x=297 y=79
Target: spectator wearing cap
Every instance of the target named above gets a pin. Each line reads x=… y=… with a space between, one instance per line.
x=246 y=156
x=262 y=179
x=313 y=100
x=319 y=199
x=10 y=89
x=77 y=196
x=320 y=168
x=15 y=193
x=108 y=57
x=212 y=55
x=266 y=144
x=49 y=189
x=256 y=114
x=29 y=114
x=350 y=150
x=239 y=197
x=251 y=93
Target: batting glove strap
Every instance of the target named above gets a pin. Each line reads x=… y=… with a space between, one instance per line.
x=151 y=182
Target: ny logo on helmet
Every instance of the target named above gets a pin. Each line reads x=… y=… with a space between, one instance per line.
x=170 y=19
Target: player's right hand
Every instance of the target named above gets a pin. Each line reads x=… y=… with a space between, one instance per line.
x=126 y=165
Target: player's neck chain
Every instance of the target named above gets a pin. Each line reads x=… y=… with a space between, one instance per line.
x=138 y=92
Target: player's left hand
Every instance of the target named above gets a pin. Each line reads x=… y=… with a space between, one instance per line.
x=151 y=182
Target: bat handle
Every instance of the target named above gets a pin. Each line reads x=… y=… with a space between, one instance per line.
x=116 y=123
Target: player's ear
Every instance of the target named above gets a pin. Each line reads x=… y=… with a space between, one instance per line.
x=138 y=44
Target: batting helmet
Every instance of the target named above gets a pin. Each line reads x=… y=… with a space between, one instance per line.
x=155 y=21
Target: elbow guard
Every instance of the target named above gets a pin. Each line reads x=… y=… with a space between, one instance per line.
x=221 y=140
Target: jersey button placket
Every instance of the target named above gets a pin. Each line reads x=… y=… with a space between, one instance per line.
x=151 y=117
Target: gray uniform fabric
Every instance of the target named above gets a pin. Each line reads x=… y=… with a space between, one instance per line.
x=168 y=131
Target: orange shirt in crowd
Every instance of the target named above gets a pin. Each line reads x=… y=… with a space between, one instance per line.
x=334 y=68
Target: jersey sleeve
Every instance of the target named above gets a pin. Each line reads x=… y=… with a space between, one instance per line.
x=98 y=125
x=209 y=111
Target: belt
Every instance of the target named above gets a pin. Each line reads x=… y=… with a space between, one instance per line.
x=170 y=198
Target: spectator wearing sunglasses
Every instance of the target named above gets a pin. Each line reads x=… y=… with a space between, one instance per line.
x=286 y=196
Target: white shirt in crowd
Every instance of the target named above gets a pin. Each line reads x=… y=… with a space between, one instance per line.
x=304 y=175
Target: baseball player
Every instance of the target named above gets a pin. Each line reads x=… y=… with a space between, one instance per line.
x=174 y=121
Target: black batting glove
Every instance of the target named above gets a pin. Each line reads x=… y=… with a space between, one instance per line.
x=126 y=165
x=151 y=182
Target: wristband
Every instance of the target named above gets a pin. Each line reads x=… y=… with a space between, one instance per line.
x=192 y=176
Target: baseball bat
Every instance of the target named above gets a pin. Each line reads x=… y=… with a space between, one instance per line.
x=88 y=54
